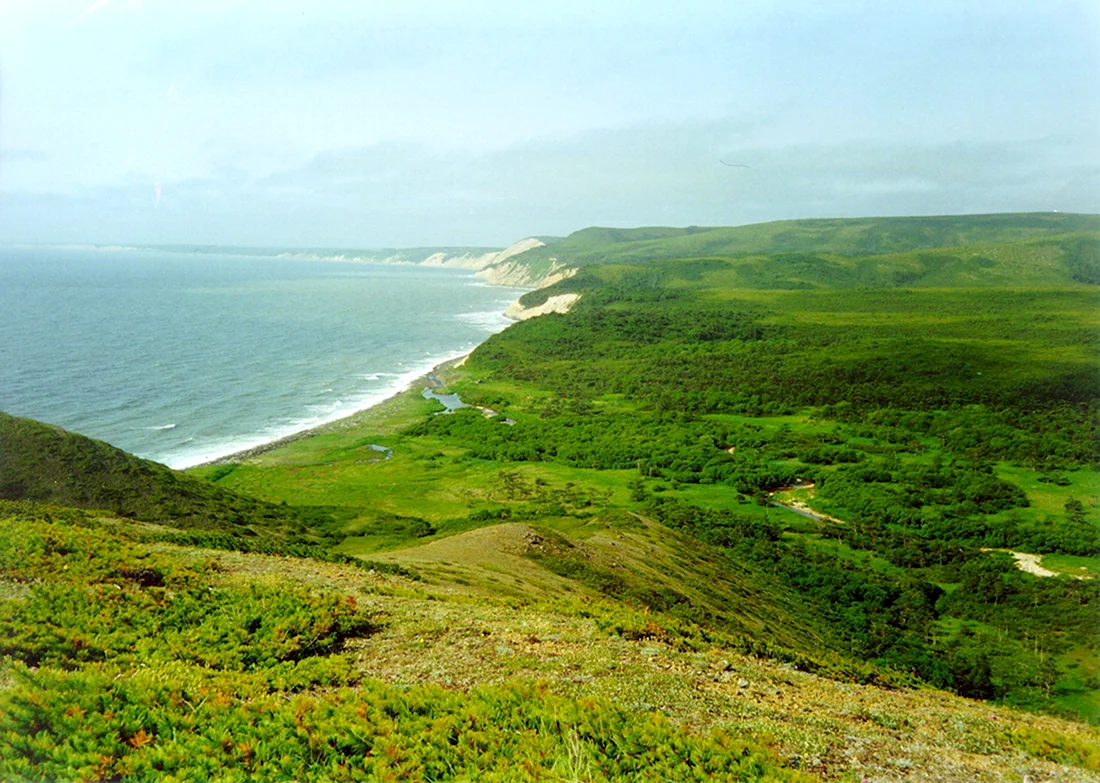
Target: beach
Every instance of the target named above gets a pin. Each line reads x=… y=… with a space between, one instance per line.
x=429 y=380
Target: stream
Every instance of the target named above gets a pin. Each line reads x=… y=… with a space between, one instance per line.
x=453 y=402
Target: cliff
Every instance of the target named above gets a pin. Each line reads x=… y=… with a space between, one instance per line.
x=554 y=304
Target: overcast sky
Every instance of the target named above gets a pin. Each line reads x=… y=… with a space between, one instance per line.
x=375 y=124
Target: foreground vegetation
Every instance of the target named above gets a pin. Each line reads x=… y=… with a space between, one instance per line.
x=752 y=473
x=132 y=662
x=307 y=670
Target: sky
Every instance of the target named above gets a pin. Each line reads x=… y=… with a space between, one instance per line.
x=381 y=124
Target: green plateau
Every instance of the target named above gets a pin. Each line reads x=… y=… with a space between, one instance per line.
x=806 y=500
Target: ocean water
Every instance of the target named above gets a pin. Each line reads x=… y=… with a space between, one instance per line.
x=182 y=358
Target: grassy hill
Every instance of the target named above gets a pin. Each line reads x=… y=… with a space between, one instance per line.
x=935 y=419
x=45 y=464
x=842 y=236
x=141 y=661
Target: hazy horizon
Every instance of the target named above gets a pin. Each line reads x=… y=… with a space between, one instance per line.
x=277 y=124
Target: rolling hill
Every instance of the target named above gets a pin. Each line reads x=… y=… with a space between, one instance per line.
x=41 y=463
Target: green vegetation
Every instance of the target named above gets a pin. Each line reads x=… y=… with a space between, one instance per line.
x=933 y=422
x=46 y=464
x=138 y=726
x=915 y=399
x=135 y=664
x=817 y=453
x=857 y=237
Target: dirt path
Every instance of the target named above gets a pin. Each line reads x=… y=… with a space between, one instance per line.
x=1030 y=564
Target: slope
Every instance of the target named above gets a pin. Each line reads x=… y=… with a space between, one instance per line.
x=847 y=236
x=939 y=422
x=44 y=463
x=274 y=668
x=627 y=558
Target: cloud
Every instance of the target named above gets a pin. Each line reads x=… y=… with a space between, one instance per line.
x=23 y=156
x=404 y=194
x=674 y=175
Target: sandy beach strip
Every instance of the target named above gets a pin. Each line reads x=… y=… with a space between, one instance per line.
x=429 y=380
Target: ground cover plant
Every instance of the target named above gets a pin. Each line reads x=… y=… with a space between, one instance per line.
x=130 y=662
x=431 y=684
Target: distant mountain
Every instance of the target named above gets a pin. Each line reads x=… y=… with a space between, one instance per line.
x=980 y=251
x=541 y=261
x=496 y=265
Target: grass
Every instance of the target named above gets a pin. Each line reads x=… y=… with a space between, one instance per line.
x=841 y=551
x=861 y=237
x=539 y=571
x=1046 y=497
x=1087 y=567
x=838 y=731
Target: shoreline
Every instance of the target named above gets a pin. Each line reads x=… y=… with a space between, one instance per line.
x=429 y=379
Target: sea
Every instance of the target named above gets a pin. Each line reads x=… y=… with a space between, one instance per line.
x=186 y=357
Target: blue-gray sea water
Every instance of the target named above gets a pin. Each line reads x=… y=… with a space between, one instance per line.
x=183 y=358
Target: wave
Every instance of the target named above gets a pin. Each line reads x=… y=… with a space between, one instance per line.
x=490 y=320
x=341 y=409
x=377 y=376
x=271 y=380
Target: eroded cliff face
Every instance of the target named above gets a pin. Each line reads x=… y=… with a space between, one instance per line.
x=517 y=273
x=464 y=261
x=482 y=261
x=512 y=269
x=555 y=304
x=496 y=267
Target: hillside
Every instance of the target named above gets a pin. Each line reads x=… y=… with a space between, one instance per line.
x=220 y=664
x=840 y=251
x=936 y=421
x=842 y=236
x=45 y=464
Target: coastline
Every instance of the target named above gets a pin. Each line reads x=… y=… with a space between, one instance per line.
x=429 y=379
x=514 y=313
